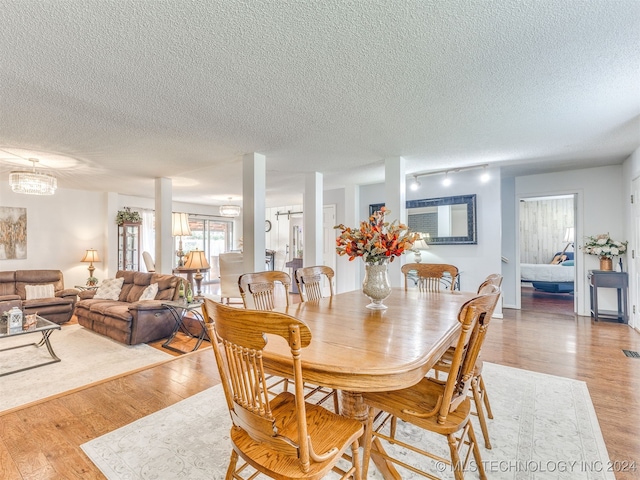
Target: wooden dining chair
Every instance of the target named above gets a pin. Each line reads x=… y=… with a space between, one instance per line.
x=431 y=277
x=310 y=287
x=441 y=407
x=478 y=387
x=310 y=281
x=282 y=437
x=258 y=289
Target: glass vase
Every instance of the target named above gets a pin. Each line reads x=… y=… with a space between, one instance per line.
x=376 y=284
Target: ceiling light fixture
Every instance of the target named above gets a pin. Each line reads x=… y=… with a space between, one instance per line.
x=33 y=183
x=485 y=177
x=447 y=181
x=229 y=210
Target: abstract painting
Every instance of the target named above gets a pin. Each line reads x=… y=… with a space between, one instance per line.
x=13 y=233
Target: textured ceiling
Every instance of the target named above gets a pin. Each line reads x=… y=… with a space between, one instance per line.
x=113 y=93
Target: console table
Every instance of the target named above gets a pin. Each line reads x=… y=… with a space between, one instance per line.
x=606 y=279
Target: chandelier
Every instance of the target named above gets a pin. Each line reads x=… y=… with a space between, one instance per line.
x=229 y=210
x=33 y=183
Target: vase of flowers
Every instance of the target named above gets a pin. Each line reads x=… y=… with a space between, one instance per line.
x=377 y=242
x=605 y=248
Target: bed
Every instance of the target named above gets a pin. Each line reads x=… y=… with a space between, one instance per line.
x=550 y=278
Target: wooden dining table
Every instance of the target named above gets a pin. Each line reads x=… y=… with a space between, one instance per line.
x=355 y=349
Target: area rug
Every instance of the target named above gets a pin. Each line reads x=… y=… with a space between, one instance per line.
x=86 y=357
x=544 y=427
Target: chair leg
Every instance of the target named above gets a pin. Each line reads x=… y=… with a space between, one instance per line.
x=368 y=439
x=456 y=461
x=336 y=402
x=477 y=398
x=355 y=458
x=232 y=465
x=476 y=452
x=485 y=397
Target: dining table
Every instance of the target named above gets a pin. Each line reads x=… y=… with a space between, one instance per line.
x=356 y=349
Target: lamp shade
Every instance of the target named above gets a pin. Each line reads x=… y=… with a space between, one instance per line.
x=180 y=225
x=196 y=259
x=569 y=234
x=91 y=256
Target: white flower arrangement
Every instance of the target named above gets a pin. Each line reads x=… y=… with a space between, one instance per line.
x=603 y=246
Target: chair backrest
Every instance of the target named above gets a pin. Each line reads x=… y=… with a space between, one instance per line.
x=148 y=262
x=231 y=267
x=238 y=340
x=493 y=279
x=474 y=316
x=430 y=275
x=258 y=289
x=310 y=281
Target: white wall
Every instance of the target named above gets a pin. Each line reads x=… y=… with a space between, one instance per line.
x=475 y=262
x=60 y=228
x=599 y=210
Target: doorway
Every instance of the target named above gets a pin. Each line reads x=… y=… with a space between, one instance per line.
x=547 y=254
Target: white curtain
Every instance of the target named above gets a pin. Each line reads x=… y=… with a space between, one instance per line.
x=148 y=235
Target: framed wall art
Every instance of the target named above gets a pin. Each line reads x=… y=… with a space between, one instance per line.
x=13 y=233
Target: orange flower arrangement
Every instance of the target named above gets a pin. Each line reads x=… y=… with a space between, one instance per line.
x=376 y=241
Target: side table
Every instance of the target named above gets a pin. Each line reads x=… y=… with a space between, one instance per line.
x=607 y=279
x=179 y=311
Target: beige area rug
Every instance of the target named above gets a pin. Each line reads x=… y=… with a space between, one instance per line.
x=86 y=357
x=545 y=427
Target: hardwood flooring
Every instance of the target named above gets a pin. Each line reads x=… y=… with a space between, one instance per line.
x=43 y=441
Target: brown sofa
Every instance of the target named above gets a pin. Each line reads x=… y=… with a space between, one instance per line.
x=128 y=320
x=57 y=309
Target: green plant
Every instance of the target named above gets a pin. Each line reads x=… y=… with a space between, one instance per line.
x=127 y=216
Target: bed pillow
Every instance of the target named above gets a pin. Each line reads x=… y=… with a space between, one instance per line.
x=149 y=293
x=109 y=289
x=34 y=292
x=568 y=263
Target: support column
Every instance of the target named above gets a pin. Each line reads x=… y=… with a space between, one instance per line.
x=349 y=275
x=110 y=257
x=164 y=240
x=312 y=208
x=254 y=168
x=395 y=190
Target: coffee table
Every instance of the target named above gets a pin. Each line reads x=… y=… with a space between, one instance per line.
x=42 y=326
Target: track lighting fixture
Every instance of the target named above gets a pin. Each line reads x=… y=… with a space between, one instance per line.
x=415 y=183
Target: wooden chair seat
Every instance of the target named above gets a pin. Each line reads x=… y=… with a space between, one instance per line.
x=325 y=431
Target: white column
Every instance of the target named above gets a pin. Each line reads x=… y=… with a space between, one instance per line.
x=349 y=274
x=395 y=190
x=110 y=261
x=164 y=240
x=254 y=168
x=312 y=208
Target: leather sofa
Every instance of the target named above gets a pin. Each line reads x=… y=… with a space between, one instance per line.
x=127 y=319
x=13 y=292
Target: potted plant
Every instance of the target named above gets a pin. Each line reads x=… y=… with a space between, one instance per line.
x=605 y=248
x=127 y=216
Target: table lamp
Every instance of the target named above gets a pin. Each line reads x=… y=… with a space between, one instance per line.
x=197 y=260
x=180 y=227
x=91 y=256
x=420 y=244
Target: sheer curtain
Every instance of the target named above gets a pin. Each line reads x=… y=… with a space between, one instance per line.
x=148 y=235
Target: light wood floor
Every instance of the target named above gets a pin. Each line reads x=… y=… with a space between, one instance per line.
x=43 y=441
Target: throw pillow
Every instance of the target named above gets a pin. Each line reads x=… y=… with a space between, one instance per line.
x=110 y=289
x=149 y=293
x=39 y=291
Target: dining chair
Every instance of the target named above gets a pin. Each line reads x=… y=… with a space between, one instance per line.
x=310 y=281
x=442 y=407
x=478 y=388
x=431 y=276
x=258 y=289
x=282 y=437
x=310 y=287
x=148 y=262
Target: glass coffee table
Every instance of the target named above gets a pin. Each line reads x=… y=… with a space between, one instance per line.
x=39 y=325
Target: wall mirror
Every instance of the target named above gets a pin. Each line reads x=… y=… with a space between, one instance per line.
x=447 y=220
